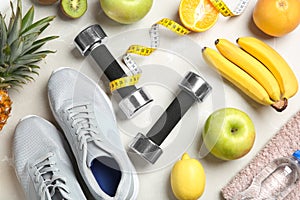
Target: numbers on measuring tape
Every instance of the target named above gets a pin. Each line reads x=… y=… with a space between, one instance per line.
x=224 y=9
x=131 y=65
x=242 y=4
x=124 y=82
x=173 y=26
x=140 y=50
x=154 y=36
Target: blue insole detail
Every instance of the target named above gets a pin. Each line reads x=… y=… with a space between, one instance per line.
x=107 y=176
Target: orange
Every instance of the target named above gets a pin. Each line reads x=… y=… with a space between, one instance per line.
x=197 y=15
x=277 y=17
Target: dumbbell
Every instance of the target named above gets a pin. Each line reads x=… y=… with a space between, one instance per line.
x=91 y=41
x=193 y=89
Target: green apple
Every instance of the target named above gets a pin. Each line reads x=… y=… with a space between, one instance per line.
x=126 y=11
x=228 y=133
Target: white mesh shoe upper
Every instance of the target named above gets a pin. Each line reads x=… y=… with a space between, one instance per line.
x=85 y=114
x=42 y=164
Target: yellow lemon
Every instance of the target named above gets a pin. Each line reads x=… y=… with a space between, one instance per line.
x=187 y=178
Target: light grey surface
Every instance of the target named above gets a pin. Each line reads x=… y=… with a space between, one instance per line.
x=154 y=180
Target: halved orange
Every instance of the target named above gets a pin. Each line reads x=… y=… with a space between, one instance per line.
x=197 y=15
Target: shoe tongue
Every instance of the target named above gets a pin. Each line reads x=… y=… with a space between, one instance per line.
x=49 y=176
x=95 y=152
x=59 y=194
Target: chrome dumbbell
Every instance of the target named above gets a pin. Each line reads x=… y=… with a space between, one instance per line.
x=91 y=41
x=193 y=89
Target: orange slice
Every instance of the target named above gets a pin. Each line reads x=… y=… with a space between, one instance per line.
x=197 y=15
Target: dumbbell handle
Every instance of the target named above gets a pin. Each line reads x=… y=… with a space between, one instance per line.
x=172 y=115
x=111 y=68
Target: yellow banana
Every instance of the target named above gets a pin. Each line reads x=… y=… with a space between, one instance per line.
x=236 y=76
x=274 y=62
x=250 y=65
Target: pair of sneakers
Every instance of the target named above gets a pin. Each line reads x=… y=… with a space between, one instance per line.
x=85 y=115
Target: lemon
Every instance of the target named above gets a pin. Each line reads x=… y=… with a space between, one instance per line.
x=187 y=178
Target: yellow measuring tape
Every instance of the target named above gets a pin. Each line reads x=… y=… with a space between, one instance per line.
x=224 y=7
x=154 y=34
x=124 y=82
x=144 y=51
x=133 y=78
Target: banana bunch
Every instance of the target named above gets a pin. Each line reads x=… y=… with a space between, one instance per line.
x=256 y=69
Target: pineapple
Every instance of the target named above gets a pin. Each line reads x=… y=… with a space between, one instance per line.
x=19 y=45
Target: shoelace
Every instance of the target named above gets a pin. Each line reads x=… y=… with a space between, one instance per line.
x=50 y=183
x=82 y=117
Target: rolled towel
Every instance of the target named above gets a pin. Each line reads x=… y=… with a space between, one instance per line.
x=282 y=144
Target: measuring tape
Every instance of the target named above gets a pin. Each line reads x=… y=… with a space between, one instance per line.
x=132 y=77
x=224 y=7
x=135 y=72
x=124 y=82
x=154 y=35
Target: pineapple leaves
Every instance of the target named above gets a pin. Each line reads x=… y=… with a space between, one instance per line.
x=12 y=17
x=38 y=26
x=29 y=59
x=16 y=80
x=19 y=46
x=38 y=44
x=3 y=38
x=16 y=49
x=21 y=68
x=29 y=41
x=19 y=74
x=27 y=19
x=32 y=58
x=15 y=26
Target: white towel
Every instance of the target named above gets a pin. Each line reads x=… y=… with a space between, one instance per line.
x=282 y=144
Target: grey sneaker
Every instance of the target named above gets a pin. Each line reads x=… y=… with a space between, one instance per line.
x=41 y=162
x=85 y=114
